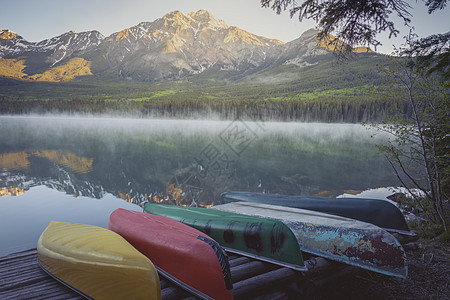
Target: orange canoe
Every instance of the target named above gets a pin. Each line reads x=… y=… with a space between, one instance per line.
x=184 y=254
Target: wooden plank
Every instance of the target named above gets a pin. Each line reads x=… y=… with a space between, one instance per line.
x=164 y=283
x=317 y=266
x=173 y=293
x=274 y=295
x=18 y=261
x=248 y=270
x=17 y=264
x=14 y=258
x=22 y=267
x=232 y=256
x=239 y=261
x=21 y=283
x=22 y=270
x=39 y=291
x=21 y=274
x=46 y=296
x=263 y=281
x=20 y=254
x=18 y=280
x=65 y=296
x=34 y=284
x=59 y=295
x=230 y=259
x=24 y=279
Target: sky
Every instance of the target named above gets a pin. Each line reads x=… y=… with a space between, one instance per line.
x=36 y=20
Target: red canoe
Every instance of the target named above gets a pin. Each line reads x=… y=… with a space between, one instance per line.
x=185 y=254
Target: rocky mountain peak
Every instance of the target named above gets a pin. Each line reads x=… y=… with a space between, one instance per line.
x=12 y=44
x=206 y=19
x=330 y=43
x=235 y=34
x=6 y=34
x=175 y=18
x=309 y=33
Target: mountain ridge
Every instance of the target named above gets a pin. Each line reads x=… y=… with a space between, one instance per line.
x=173 y=46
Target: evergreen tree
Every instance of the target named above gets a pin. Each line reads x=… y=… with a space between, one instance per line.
x=358 y=22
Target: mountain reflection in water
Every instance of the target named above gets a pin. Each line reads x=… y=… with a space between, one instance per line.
x=20 y=160
x=23 y=218
x=184 y=162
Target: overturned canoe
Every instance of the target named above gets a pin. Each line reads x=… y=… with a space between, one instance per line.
x=183 y=254
x=96 y=262
x=263 y=239
x=375 y=211
x=337 y=238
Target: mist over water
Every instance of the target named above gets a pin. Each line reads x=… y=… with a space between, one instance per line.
x=270 y=156
x=180 y=162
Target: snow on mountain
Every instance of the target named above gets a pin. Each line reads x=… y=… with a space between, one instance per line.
x=65 y=45
x=56 y=48
x=11 y=43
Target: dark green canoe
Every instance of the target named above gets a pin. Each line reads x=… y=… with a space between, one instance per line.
x=375 y=211
x=264 y=239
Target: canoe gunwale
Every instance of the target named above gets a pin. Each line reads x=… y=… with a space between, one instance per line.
x=266 y=259
x=402 y=232
x=183 y=285
x=63 y=282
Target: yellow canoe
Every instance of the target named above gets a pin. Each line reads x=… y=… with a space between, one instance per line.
x=97 y=262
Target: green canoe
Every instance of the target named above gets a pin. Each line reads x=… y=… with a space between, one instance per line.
x=264 y=239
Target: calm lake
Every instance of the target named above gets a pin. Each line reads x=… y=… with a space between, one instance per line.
x=81 y=169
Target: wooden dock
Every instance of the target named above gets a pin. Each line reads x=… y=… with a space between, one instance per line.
x=22 y=278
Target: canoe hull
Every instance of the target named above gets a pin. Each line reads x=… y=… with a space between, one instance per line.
x=375 y=211
x=263 y=239
x=190 y=257
x=96 y=262
x=341 y=239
